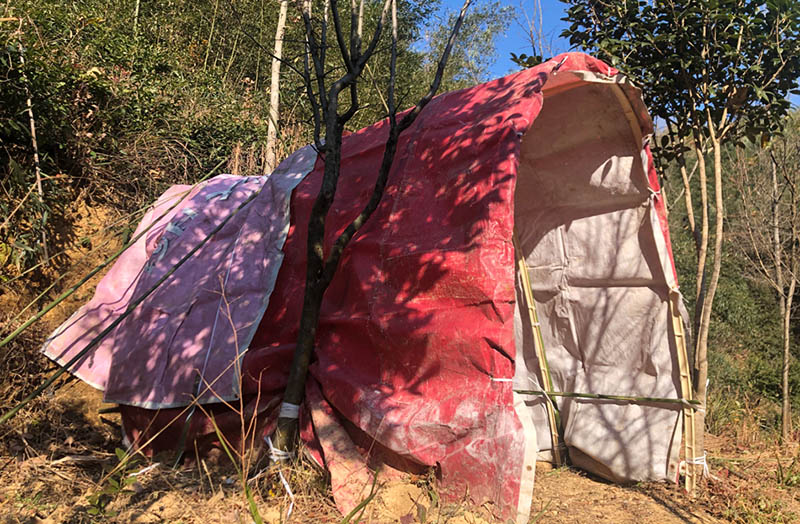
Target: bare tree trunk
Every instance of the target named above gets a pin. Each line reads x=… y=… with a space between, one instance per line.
x=702 y=244
x=707 y=297
x=700 y=330
x=230 y=58
x=794 y=274
x=274 y=90
x=211 y=34
x=260 y=40
x=687 y=195
x=320 y=269
x=136 y=19
x=534 y=28
x=777 y=256
x=786 y=415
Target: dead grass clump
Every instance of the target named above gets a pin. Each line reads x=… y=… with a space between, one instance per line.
x=757 y=487
x=21 y=366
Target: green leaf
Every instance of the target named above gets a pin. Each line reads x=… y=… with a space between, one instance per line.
x=252 y=505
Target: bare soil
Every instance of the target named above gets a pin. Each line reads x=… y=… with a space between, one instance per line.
x=59 y=466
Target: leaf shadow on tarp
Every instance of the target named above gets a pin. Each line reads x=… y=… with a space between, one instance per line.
x=418 y=314
x=599 y=286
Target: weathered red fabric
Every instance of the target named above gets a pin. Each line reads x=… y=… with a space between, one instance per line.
x=418 y=320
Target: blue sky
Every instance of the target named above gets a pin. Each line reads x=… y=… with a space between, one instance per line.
x=515 y=41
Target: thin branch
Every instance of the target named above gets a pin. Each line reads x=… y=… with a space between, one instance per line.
x=375 y=37
x=259 y=45
x=317 y=55
x=35 y=144
x=395 y=130
x=337 y=25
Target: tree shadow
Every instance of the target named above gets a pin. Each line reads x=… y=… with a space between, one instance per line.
x=584 y=218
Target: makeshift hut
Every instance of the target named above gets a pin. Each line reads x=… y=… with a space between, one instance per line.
x=521 y=247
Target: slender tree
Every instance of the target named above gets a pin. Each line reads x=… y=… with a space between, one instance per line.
x=35 y=147
x=767 y=231
x=274 y=88
x=532 y=25
x=329 y=123
x=712 y=71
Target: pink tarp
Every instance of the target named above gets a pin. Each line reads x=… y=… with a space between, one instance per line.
x=415 y=349
x=187 y=324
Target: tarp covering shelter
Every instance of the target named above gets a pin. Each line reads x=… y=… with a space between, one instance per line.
x=424 y=335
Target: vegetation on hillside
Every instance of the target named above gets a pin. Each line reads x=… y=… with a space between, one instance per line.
x=128 y=102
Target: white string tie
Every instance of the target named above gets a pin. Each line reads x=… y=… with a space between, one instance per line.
x=558 y=66
x=697 y=407
x=145 y=470
x=700 y=461
x=277 y=455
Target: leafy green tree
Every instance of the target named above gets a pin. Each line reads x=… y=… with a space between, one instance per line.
x=475 y=51
x=713 y=72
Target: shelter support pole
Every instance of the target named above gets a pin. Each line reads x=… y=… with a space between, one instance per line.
x=538 y=345
x=686 y=390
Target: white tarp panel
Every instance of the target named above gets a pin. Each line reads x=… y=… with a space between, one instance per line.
x=582 y=211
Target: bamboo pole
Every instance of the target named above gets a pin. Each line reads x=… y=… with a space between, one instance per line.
x=688 y=404
x=679 y=335
x=538 y=345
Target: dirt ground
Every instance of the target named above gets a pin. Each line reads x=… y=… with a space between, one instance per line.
x=61 y=461
x=62 y=465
